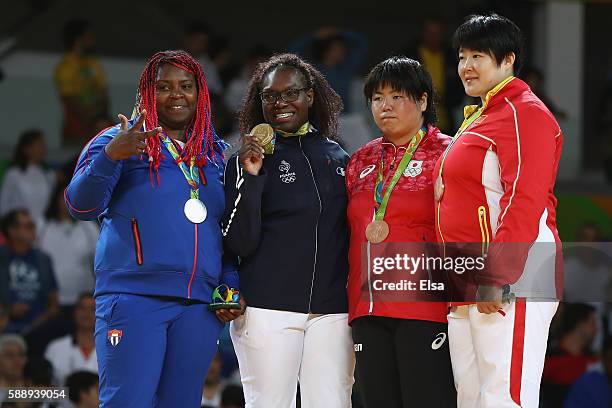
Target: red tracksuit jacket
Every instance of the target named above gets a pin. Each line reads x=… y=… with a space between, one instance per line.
x=499 y=177
x=410 y=215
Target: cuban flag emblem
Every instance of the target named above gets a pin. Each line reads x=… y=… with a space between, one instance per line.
x=114 y=336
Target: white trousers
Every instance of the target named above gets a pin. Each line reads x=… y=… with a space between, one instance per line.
x=276 y=349
x=498 y=360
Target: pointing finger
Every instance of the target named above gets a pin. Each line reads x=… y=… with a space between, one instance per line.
x=138 y=125
x=150 y=133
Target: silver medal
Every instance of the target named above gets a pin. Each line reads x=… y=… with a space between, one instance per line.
x=195 y=210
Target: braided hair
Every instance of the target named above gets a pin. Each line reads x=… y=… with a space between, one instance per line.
x=326 y=106
x=201 y=138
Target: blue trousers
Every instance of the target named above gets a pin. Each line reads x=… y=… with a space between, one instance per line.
x=153 y=352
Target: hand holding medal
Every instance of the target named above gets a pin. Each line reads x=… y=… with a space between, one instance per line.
x=252 y=150
x=263 y=134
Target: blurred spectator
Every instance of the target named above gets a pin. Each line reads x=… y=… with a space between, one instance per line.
x=237 y=88
x=435 y=53
x=13 y=359
x=81 y=84
x=71 y=244
x=232 y=397
x=211 y=394
x=27 y=280
x=83 y=389
x=587 y=275
x=26 y=183
x=76 y=352
x=535 y=79
x=337 y=54
x=572 y=355
x=594 y=388
x=197 y=41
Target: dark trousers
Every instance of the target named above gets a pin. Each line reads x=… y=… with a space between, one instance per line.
x=403 y=363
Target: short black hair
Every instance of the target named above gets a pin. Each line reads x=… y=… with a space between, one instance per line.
x=404 y=75
x=491 y=33
x=29 y=136
x=78 y=382
x=73 y=30
x=11 y=220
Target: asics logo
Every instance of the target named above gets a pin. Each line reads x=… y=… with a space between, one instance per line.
x=367 y=171
x=438 y=341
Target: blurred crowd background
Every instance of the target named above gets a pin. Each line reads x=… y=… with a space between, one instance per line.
x=67 y=68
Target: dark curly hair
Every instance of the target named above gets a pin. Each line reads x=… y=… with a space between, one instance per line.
x=326 y=106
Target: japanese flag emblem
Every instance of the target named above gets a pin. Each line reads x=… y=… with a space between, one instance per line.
x=414 y=168
x=114 y=336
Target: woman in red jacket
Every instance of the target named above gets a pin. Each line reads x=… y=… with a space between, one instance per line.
x=400 y=338
x=494 y=192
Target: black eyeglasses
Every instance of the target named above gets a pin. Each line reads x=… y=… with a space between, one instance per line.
x=288 y=95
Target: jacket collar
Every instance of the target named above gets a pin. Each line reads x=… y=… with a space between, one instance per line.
x=506 y=88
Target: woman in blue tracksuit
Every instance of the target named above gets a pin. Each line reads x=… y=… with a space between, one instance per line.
x=155 y=184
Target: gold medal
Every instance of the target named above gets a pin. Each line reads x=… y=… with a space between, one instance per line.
x=438 y=189
x=263 y=134
x=377 y=231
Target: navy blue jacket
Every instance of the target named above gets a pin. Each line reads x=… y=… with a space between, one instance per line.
x=288 y=226
x=147 y=246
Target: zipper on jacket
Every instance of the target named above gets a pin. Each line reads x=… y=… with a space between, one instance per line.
x=426 y=266
x=371 y=308
x=314 y=264
x=137 y=244
x=484 y=229
x=195 y=263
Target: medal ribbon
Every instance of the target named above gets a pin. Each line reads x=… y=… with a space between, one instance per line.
x=381 y=201
x=471 y=113
x=305 y=128
x=190 y=173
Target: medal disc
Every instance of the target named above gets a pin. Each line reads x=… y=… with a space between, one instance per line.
x=263 y=134
x=377 y=231
x=195 y=210
x=438 y=189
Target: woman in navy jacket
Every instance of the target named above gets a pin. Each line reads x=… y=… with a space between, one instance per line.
x=286 y=219
x=155 y=184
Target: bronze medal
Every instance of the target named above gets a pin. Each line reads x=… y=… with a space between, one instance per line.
x=377 y=231
x=263 y=134
x=438 y=189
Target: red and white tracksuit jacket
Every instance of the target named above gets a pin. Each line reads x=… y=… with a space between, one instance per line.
x=410 y=215
x=499 y=177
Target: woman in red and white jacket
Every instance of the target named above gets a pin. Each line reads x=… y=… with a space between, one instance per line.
x=400 y=339
x=494 y=190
